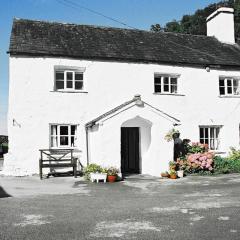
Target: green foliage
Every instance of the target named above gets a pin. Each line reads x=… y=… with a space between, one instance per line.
x=169 y=136
x=234 y=154
x=93 y=168
x=196 y=23
x=112 y=171
x=173 y=26
x=156 y=28
x=226 y=165
x=197 y=148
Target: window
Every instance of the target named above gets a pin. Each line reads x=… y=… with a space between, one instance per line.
x=210 y=135
x=63 y=135
x=165 y=84
x=229 y=86
x=68 y=80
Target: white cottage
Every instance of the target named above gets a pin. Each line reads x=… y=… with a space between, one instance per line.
x=112 y=94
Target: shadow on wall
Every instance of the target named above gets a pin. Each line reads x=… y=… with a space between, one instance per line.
x=3 y=194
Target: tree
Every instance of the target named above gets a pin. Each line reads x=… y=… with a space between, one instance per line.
x=173 y=26
x=156 y=28
x=196 y=23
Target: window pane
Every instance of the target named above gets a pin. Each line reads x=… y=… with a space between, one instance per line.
x=78 y=76
x=157 y=80
x=235 y=82
x=69 y=76
x=63 y=141
x=59 y=75
x=217 y=131
x=236 y=87
x=212 y=130
x=157 y=88
x=221 y=82
x=59 y=85
x=73 y=130
x=201 y=133
x=173 y=80
x=72 y=141
x=54 y=142
x=63 y=130
x=78 y=85
x=222 y=90
x=229 y=90
x=206 y=132
x=53 y=129
x=212 y=144
x=166 y=80
x=173 y=88
x=202 y=140
x=166 y=88
x=229 y=82
x=69 y=84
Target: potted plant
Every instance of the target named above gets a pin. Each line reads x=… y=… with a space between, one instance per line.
x=112 y=174
x=173 y=174
x=181 y=166
x=95 y=172
x=165 y=174
x=172 y=165
x=180 y=173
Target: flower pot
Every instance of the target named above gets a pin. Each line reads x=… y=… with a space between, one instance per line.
x=164 y=175
x=173 y=176
x=111 y=178
x=180 y=173
x=98 y=176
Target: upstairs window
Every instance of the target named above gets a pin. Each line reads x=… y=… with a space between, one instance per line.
x=210 y=135
x=229 y=86
x=165 y=84
x=63 y=136
x=71 y=79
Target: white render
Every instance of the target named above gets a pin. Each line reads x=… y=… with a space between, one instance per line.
x=220 y=24
x=33 y=105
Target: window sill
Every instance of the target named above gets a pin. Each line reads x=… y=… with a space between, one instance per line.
x=62 y=148
x=169 y=94
x=229 y=96
x=65 y=91
x=217 y=151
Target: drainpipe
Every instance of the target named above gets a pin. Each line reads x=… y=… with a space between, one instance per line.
x=87 y=146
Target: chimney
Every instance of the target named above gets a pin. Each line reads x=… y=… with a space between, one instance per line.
x=220 y=24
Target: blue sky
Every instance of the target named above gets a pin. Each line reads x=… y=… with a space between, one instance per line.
x=137 y=13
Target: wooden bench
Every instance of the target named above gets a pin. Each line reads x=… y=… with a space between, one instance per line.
x=57 y=158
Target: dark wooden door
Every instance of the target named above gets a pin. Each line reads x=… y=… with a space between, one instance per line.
x=130 y=150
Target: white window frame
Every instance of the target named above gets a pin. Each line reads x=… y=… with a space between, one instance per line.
x=58 y=135
x=74 y=71
x=213 y=142
x=162 y=84
x=232 y=79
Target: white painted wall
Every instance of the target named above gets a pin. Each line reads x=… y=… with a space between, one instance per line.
x=220 y=24
x=34 y=105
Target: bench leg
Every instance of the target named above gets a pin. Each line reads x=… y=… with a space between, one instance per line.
x=40 y=169
x=40 y=172
x=75 y=171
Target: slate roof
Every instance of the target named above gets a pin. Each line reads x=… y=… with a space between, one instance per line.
x=39 y=38
x=125 y=104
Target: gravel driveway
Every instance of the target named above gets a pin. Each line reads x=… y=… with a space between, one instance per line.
x=141 y=207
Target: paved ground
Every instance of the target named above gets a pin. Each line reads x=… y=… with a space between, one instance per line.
x=138 y=208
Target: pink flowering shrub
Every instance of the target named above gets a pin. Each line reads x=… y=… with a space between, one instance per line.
x=197 y=159
x=200 y=161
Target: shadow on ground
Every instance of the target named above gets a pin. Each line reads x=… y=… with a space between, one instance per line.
x=3 y=194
